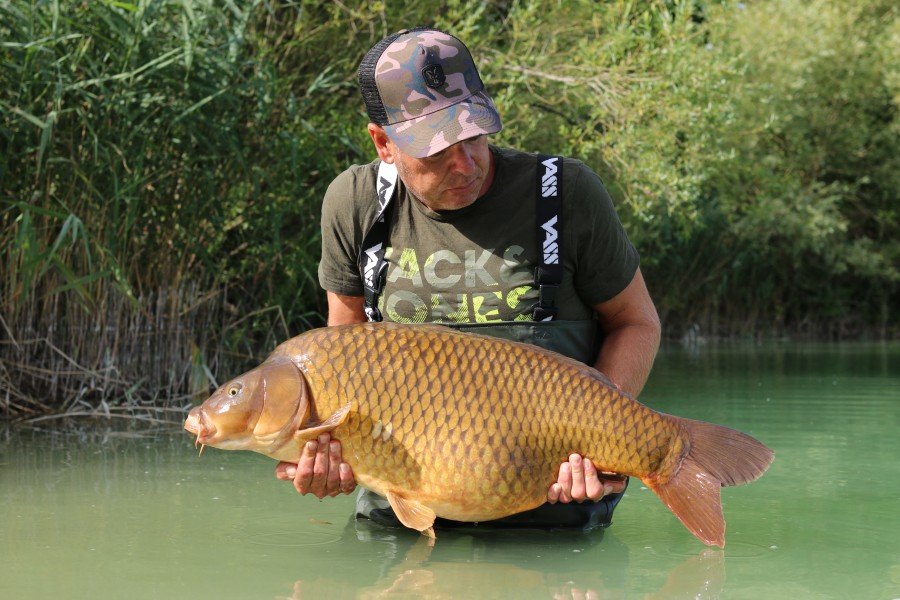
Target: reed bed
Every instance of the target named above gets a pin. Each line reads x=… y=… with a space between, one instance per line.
x=119 y=362
x=141 y=242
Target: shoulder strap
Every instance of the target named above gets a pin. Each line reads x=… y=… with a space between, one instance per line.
x=548 y=273
x=371 y=261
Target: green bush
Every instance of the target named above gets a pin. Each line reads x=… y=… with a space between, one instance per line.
x=752 y=149
x=799 y=189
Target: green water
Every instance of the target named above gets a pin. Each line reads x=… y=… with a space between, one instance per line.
x=108 y=515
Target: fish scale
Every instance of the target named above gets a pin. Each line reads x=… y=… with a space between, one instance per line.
x=469 y=427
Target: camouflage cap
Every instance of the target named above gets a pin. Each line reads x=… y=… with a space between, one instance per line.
x=422 y=86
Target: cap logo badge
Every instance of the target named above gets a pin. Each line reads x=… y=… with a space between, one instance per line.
x=434 y=76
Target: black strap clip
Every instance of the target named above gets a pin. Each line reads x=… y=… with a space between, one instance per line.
x=546 y=309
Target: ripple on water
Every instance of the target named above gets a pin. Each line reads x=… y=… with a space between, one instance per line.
x=274 y=534
x=732 y=550
x=646 y=525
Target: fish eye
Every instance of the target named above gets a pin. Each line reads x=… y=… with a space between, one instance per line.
x=234 y=389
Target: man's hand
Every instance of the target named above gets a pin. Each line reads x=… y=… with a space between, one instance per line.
x=320 y=472
x=579 y=481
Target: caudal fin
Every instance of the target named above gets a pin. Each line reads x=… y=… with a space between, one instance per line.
x=717 y=456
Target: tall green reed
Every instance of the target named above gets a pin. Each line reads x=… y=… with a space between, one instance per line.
x=141 y=237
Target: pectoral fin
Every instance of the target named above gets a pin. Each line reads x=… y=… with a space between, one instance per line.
x=337 y=418
x=412 y=514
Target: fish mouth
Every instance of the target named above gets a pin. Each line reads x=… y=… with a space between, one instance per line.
x=200 y=425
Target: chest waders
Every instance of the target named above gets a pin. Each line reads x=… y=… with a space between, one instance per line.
x=575 y=339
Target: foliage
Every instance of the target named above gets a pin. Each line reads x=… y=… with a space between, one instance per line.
x=818 y=147
x=753 y=149
x=163 y=164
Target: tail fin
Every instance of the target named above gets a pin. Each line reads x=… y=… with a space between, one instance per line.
x=717 y=456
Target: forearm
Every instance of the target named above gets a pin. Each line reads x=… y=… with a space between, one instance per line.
x=627 y=355
x=321 y=470
x=631 y=331
x=344 y=310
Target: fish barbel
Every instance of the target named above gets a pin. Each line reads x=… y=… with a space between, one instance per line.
x=469 y=427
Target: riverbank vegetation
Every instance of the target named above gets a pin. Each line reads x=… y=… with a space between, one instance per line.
x=163 y=165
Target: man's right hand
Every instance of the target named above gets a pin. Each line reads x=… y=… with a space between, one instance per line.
x=321 y=471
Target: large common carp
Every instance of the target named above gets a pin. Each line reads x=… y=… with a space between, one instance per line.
x=469 y=427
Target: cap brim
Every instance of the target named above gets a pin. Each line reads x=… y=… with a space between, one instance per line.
x=429 y=134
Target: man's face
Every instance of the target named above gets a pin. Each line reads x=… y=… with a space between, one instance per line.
x=451 y=179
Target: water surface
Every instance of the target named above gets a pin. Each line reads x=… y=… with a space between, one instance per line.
x=105 y=514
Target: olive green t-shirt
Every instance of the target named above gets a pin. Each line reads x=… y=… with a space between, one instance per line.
x=476 y=264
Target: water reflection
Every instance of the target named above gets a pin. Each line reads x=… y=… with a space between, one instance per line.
x=501 y=564
x=701 y=576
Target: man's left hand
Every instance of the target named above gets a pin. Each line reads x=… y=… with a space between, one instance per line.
x=579 y=481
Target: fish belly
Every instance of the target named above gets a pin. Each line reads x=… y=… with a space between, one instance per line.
x=459 y=478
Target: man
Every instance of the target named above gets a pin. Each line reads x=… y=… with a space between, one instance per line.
x=460 y=241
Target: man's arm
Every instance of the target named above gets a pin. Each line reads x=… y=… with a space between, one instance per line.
x=321 y=471
x=344 y=310
x=631 y=336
